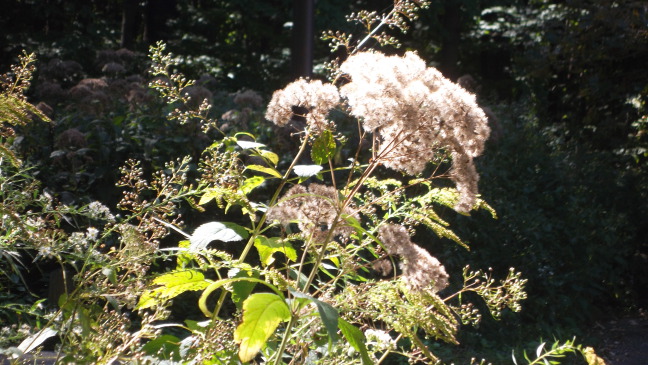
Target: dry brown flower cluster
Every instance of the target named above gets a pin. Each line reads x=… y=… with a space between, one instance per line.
x=313 y=97
x=314 y=208
x=420 y=269
x=416 y=111
x=413 y=110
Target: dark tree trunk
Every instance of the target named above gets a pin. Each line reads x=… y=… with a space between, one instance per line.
x=156 y=15
x=303 y=38
x=449 y=55
x=130 y=22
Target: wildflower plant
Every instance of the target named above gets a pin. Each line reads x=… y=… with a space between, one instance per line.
x=316 y=260
x=335 y=260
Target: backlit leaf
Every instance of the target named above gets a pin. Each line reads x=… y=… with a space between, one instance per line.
x=262 y=313
x=307 y=170
x=323 y=148
x=268 y=246
x=222 y=231
x=267 y=170
x=172 y=285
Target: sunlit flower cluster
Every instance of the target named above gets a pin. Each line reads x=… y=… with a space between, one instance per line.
x=311 y=100
x=314 y=209
x=416 y=112
x=420 y=269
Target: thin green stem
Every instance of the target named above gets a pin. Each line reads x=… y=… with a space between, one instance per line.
x=259 y=226
x=284 y=340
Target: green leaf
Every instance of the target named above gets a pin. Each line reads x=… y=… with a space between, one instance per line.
x=249 y=144
x=323 y=148
x=202 y=302
x=250 y=183
x=268 y=246
x=172 y=285
x=356 y=339
x=36 y=340
x=242 y=289
x=327 y=312
x=209 y=195
x=271 y=157
x=307 y=170
x=167 y=345
x=262 y=313
x=222 y=231
x=268 y=170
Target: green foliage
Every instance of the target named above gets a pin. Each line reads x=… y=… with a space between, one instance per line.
x=262 y=313
x=340 y=291
x=559 y=351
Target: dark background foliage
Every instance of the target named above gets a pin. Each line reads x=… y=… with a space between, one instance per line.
x=566 y=79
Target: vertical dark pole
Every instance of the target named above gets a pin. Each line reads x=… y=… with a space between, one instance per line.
x=130 y=12
x=303 y=38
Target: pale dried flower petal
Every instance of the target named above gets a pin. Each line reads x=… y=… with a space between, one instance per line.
x=314 y=97
x=314 y=209
x=420 y=269
x=416 y=112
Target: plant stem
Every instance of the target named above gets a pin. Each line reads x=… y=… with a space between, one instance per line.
x=259 y=225
x=284 y=340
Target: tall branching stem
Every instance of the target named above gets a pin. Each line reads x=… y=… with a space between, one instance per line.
x=259 y=226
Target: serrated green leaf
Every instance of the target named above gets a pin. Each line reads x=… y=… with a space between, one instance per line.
x=327 y=312
x=270 y=156
x=208 y=196
x=172 y=285
x=268 y=170
x=202 y=302
x=356 y=339
x=262 y=313
x=268 y=246
x=323 y=148
x=250 y=183
x=222 y=231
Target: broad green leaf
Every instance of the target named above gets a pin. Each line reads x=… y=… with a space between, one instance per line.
x=250 y=183
x=268 y=246
x=209 y=195
x=307 y=170
x=167 y=345
x=184 y=258
x=202 y=302
x=172 y=285
x=262 y=313
x=356 y=339
x=268 y=170
x=241 y=289
x=36 y=340
x=270 y=156
x=323 y=148
x=327 y=312
x=222 y=231
x=249 y=144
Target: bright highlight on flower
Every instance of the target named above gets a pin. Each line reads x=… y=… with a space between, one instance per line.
x=416 y=112
x=420 y=269
x=412 y=109
x=311 y=100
